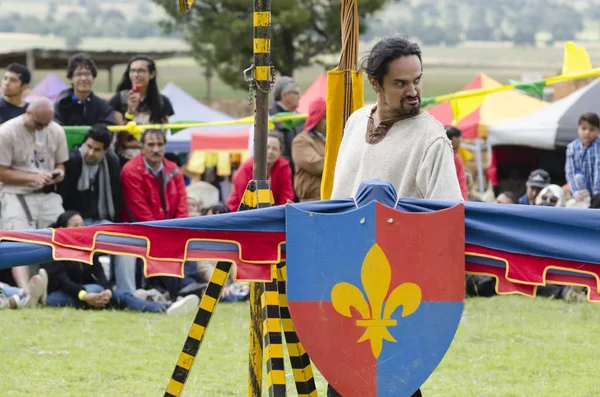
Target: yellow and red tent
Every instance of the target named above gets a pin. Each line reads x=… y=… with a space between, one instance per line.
x=474 y=115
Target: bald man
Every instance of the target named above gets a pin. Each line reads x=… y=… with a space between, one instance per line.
x=33 y=150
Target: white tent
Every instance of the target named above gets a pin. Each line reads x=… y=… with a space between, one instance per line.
x=551 y=127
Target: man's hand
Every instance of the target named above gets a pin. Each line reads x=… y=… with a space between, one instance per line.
x=59 y=178
x=95 y=300
x=40 y=179
x=581 y=195
x=107 y=293
x=133 y=101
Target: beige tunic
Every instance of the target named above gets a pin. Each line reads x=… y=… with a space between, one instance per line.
x=415 y=157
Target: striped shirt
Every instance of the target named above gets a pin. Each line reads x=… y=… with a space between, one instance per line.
x=584 y=160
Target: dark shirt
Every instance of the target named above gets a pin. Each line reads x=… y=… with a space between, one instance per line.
x=119 y=103
x=86 y=203
x=70 y=277
x=524 y=200
x=9 y=111
x=71 y=111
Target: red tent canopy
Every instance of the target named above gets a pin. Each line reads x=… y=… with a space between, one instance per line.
x=318 y=89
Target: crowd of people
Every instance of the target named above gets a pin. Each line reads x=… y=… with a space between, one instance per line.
x=108 y=178
x=122 y=177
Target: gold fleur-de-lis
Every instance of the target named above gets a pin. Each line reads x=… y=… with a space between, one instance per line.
x=376 y=275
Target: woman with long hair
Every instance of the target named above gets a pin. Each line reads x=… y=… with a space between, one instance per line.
x=80 y=285
x=138 y=99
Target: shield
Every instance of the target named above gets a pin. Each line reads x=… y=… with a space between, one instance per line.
x=375 y=294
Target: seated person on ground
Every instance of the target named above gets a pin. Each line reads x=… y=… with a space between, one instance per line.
x=80 y=285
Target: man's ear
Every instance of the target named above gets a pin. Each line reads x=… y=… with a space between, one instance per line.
x=376 y=87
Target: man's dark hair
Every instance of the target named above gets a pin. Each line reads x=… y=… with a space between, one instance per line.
x=153 y=131
x=387 y=50
x=591 y=117
x=83 y=60
x=21 y=70
x=153 y=98
x=514 y=197
x=100 y=133
x=453 y=132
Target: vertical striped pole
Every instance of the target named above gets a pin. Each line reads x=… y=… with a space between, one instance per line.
x=257 y=195
x=194 y=339
x=273 y=340
x=262 y=86
x=301 y=367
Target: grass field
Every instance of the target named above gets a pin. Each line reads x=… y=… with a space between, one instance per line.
x=505 y=346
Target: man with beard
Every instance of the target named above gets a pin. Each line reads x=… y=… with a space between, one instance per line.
x=394 y=141
x=14 y=84
x=153 y=190
x=92 y=184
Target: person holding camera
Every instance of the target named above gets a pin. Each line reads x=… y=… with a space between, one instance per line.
x=33 y=150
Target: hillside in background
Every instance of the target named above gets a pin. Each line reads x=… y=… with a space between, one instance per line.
x=448 y=22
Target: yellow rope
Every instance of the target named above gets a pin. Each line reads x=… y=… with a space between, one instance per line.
x=133 y=128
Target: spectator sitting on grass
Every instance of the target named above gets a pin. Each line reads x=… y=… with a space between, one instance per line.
x=80 y=285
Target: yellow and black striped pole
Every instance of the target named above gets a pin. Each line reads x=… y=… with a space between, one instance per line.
x=257 y=195
x=194 y=339
x=301 y=367
x=262 y=80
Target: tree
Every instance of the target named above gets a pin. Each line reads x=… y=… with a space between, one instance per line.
x=301 y=30
x=114 y=23
x=479 y=29
x=524 y=37
x=144 y=9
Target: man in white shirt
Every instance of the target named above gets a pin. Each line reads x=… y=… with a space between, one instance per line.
x=33 y=150
x=394 y=141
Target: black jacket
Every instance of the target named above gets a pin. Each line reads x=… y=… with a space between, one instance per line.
x=70 y=277
x=86 y=203
x=288 y=135
x=74 y=112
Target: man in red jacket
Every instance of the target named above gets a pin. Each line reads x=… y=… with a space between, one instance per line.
x=153 y=189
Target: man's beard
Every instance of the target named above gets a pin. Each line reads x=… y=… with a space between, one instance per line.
x=89 y=162
x=402 y=111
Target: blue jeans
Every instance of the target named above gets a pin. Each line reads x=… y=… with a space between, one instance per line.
x=174 y=284
x=119 y=300
x=124 y=266
x=9 y=291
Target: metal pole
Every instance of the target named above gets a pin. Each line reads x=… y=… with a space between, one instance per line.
x=479 y=164
x=263 y=80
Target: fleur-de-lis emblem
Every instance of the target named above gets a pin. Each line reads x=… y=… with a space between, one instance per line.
x=376 y=275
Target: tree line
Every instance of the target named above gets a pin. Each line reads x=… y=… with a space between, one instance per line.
x=91 y=21
x=450 y=22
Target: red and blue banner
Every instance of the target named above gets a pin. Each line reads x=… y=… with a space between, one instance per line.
x=376 y=294
x=522 y=246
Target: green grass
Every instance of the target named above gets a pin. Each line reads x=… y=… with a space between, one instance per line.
x=505 y=346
